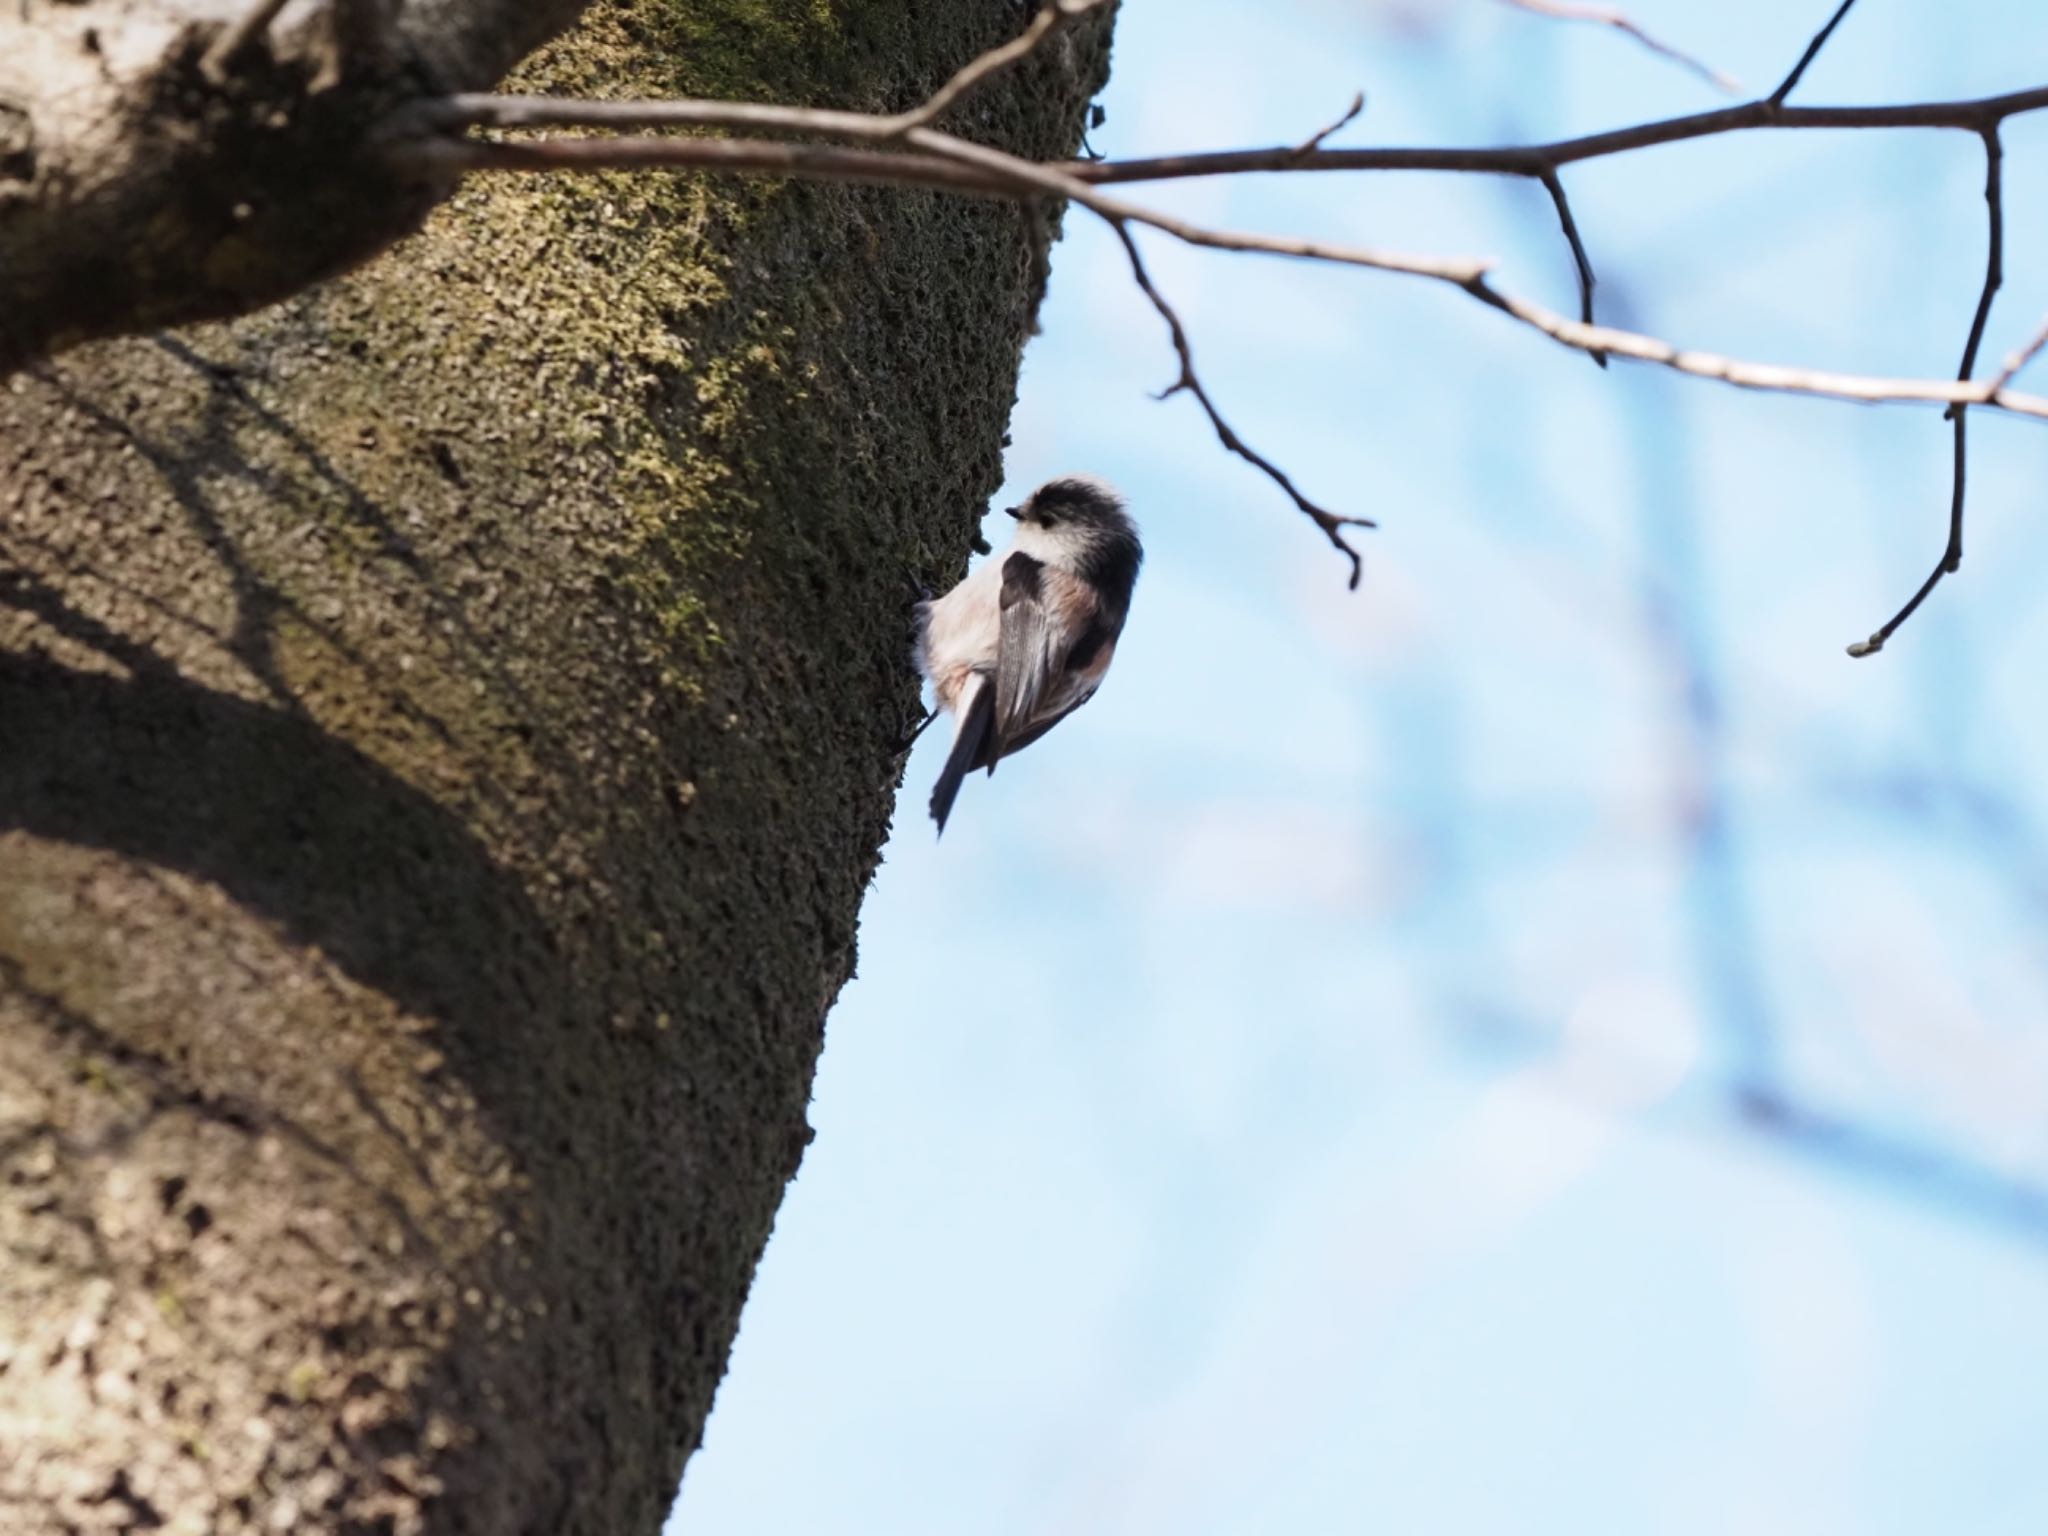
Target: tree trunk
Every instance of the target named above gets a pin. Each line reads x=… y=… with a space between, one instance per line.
x=446 y=727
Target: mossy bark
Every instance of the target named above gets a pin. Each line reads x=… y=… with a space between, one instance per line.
x=446 y=728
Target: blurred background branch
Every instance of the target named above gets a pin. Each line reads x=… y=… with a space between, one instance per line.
x=1560 y=10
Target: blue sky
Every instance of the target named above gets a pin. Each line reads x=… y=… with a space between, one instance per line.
x=1357 y=1147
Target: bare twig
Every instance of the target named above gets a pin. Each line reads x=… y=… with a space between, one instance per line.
x=236 y=36
x=1458 y=270
x=1002 y=174
x=1332 y=524
x=1562 y=10
x=1994 y=276
x=1554 y=185
x=745 y=157
x=1970 y=116
x=1057 y=14
x=1864 y=389
x=1314 y=141
x=1820 y=41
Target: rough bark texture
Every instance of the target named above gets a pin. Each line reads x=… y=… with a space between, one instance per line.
x=446 y=729
x=143 y=183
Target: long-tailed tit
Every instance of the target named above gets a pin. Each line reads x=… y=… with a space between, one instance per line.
x=1024 y=641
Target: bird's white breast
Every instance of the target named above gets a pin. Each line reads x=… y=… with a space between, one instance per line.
x=961 y=632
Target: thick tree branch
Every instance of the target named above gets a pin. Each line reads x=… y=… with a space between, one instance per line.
x=162 y=166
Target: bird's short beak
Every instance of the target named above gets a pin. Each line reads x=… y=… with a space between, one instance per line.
x=1016 y=512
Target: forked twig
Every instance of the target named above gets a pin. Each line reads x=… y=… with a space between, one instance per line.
x=1314 y=141
x=1333 y=524
x=1994 y=277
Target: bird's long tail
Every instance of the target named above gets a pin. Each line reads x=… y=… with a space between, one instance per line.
x=977 y=719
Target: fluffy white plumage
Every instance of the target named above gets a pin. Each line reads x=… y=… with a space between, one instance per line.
x=1024 y=640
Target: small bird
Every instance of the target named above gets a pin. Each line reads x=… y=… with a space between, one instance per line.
x=1024 y=641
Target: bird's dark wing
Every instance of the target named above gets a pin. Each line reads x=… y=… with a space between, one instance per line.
x=1051 y=653
x=1028 y=648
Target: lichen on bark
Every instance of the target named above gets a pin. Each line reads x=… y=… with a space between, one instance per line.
x=449 y=728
